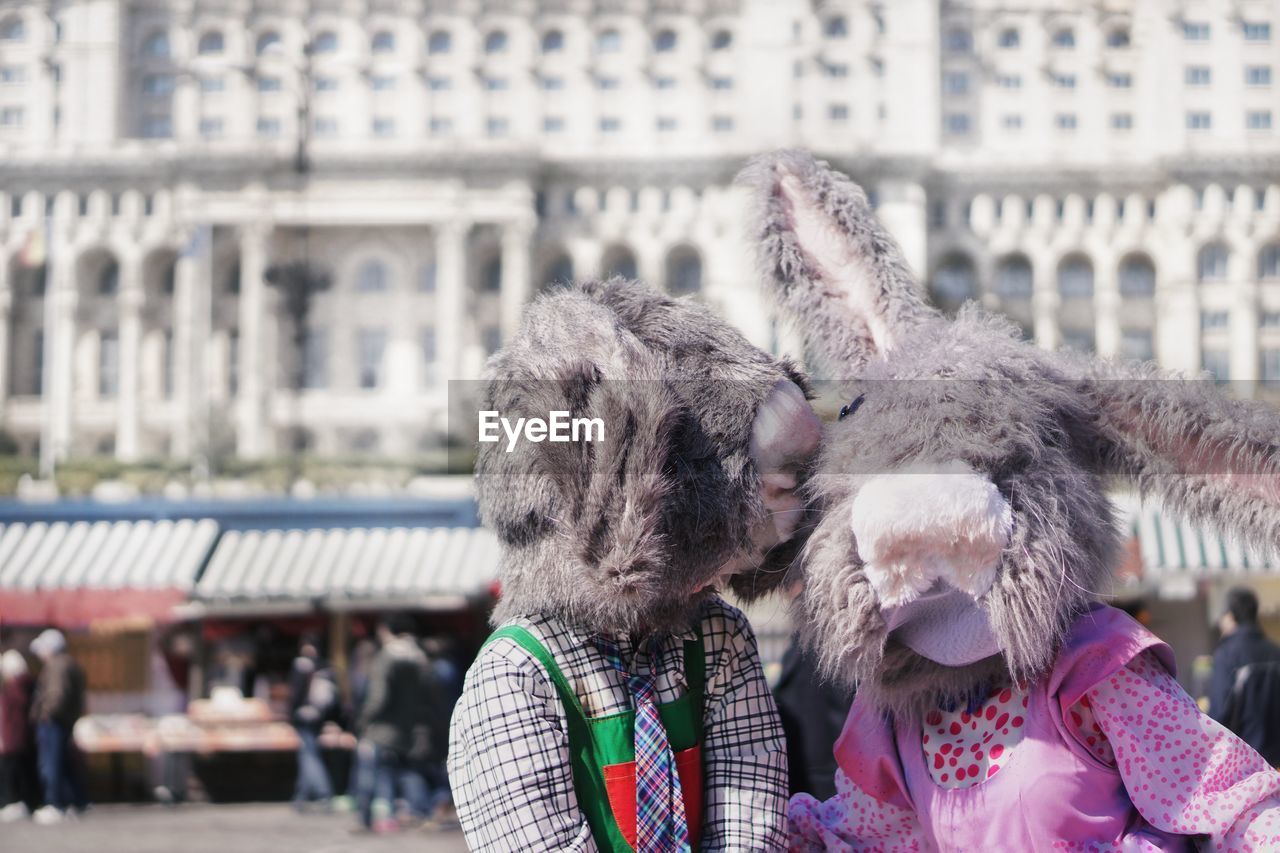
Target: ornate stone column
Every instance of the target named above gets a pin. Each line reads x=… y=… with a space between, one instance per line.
x=1245 y=317
x=1106 y=305
x=451 y=282
x=186 y=280
x=251 y=436
x=516 y=249
x=128 y=409
x=59 y=369
x=1045 y=300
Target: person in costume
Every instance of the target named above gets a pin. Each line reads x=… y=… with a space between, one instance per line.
x=964 y=542
x=621 y=703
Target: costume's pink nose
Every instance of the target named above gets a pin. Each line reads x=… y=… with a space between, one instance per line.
x=924 y=524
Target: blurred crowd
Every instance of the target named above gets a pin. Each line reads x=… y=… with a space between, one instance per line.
x=402 y=694
x=399 y=696
x=41 y=771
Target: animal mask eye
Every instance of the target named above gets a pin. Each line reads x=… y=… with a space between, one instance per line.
x=852 y=407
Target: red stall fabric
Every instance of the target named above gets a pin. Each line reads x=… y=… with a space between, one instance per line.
x=72 y=574
x=80 y=608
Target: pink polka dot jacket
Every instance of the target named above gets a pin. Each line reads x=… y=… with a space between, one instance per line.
x=1106 y=753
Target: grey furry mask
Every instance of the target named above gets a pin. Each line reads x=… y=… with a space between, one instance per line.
x=961 y=498
x=696 y=484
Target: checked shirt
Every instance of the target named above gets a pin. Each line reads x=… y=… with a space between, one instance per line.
x=508 y=753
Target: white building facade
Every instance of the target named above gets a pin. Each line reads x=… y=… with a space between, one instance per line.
x=1107 y=173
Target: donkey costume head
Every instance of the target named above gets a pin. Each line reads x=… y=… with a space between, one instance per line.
x=695 y=484
x=963 y=519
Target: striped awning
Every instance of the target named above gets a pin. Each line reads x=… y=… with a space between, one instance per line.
x=429 y=568
x=72 y=573
x=1171 y=547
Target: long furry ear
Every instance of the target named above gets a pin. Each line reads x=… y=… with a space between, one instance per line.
x=835 y=273
x=1214 y=459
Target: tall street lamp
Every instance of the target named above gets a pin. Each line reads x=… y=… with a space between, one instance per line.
x=299 y=280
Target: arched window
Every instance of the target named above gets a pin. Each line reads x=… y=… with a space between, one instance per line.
x=684 y=271
x=325 y=42
x=1137 y=276
x=954 y=282
x=665 y=41
x=1269 y=261
x=1075 y=278
x=365 y=441
x=491 y=275
x=1008 y=38
x=109 y=279
x=836 y=27
x=267 y=43
x=619 y=261
x=371 y=277
x=156 y=46
x=609 y=41
x=721 y=40
x=441 y=41
x=552 y=41
x=383 y=42
x=959 y=40
x=169 y=276
x=1118 y=38
x=211 y=44
x=427 y=277
x=1064 y=39
x=1013 y=277
x=13 y=29
x=1211 y=264
x=559 y=271
x=496 y=42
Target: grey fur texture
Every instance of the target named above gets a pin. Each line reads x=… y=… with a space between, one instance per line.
x=1050 y=430
x=837 y=336
x=620 y=535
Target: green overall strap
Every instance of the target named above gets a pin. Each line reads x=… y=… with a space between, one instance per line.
x=588 y=780
x=594 y=743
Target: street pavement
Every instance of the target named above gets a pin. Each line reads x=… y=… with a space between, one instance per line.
x=258 y=828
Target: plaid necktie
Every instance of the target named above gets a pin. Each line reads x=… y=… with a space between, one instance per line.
x=661 y=825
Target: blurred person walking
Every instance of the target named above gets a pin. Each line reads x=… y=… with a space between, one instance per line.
x=18 y=780
x=1244 y=689
x=58 y=703
x=441 y=688
x=313 y=701
x=813 y=713
x=389 y=724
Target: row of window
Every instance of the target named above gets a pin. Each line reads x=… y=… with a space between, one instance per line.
x=958 y=82
x=1138 y=344
x=385 y=127
x=1251 y=31
x=960 y=40
x=960 y=124
x=1217 y=361
x=17 y=205
x=370 y=346
x=439 y=42
x=956 y=278
x=154 y=85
